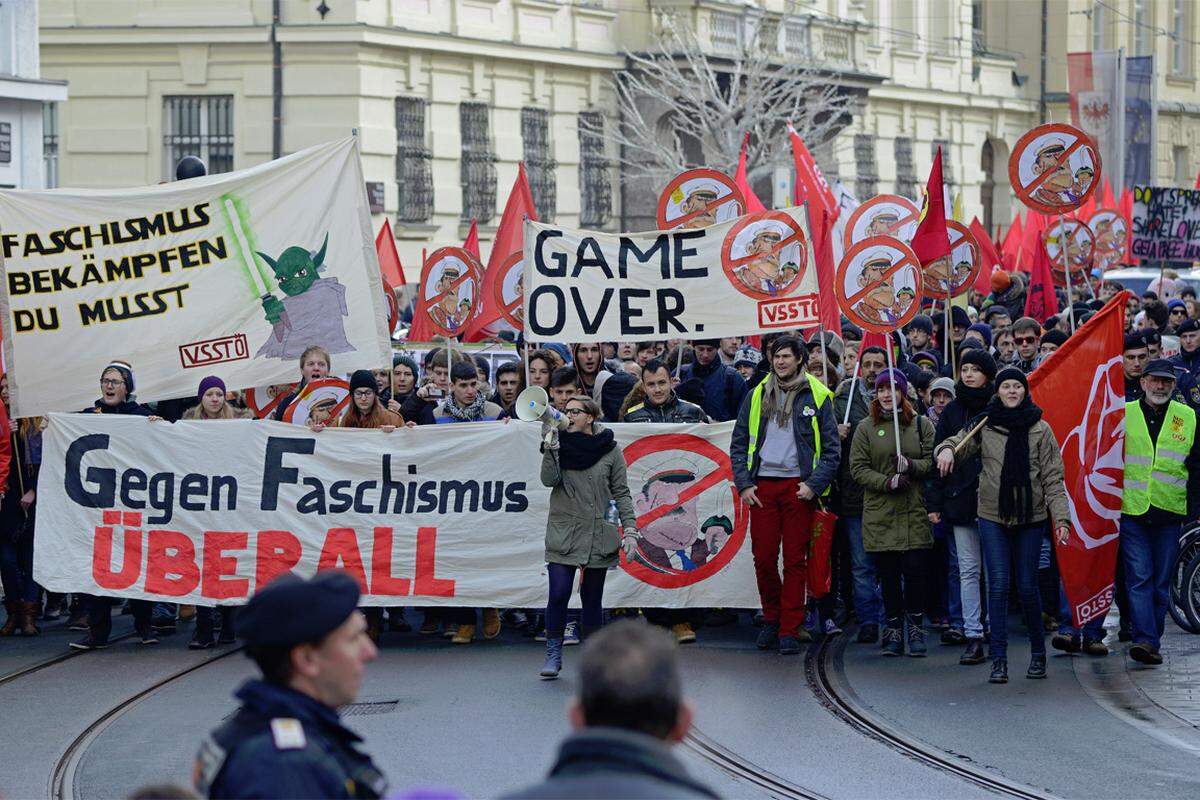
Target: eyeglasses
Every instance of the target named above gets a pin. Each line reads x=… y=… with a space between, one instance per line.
x=113 y=382
x=364 y=393
x=570 y=412
x=1025 y=339
x=1178 y=311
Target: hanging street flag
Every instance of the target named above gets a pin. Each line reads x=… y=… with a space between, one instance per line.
x=1094 y=82
x=389 y=259
x=753 y=204
x=1089 y=426
x=235 y=274
x=1141 y=119
x=989 y=257
x=502 y=298
x=932 y=241
x=1040 y=300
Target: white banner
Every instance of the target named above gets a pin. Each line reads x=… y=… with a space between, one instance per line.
x=232 y=274
x=445 y=515
x=751 y=274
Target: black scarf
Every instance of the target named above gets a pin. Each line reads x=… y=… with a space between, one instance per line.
x=972 y=399
x=581 y=450
x=1015 y=489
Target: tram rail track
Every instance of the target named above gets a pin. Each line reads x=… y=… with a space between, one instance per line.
x=736 y=765
x=22 y=672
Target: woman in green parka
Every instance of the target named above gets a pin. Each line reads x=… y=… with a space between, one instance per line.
x=896 y=532
x=585 y=471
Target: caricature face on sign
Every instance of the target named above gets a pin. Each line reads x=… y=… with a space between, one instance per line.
x=878 y=284
x=765 y=255
x=449 y=287
x=510 y=290
x=883 y=215
x=320 y=402
x=691 y=520
x=262 y=400
x=954 y=273
x=699 y=198
x=1108 y=226
x=1079 y=242
x=1054 y=168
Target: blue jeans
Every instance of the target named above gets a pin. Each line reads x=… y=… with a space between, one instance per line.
x=1092 y=630
x=954 y=598
x=1008 y=550
x=1148 y=552
x=868 y=602
x=969 y=569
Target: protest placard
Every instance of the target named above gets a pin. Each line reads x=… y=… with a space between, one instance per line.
x=748 y=275
x=1166 y=223
x=233 y=274
x=208 y=512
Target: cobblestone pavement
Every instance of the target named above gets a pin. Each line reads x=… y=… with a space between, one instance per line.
x=1174 y=686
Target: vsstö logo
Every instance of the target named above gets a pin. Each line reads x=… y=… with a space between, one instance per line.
x=214 y=351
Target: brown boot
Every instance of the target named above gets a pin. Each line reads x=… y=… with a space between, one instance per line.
x=14 y=618
x=32 y=611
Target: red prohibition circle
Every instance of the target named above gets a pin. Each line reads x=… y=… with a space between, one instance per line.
x=692 y=444
x=960 y=235
x=732 y=195
x=1072 y=139
x=393 y=307
x=513 y=312
x=730 y=265
x=289 y=415
x=474 y=275
x=873 y=204
x=262 y=407
x=907 y=259
x=1073 y=227
x=1108 y=254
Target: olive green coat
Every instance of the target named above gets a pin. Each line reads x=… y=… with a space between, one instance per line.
x=576 y=531
x=893 y=522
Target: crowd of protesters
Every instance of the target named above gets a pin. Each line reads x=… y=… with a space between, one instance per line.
x=943 y=476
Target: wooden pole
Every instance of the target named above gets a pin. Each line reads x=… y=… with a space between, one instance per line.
x=895 y=400
x=970 y=435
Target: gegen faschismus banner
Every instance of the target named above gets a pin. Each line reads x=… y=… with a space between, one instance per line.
x=208 y=512
x=236 y=273
x=751 y=274
x=1166 y=223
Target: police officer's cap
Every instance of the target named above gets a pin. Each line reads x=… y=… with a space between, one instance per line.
x=1191 y=326
x=190 y=167
x=291 y=610
x=1160 y=368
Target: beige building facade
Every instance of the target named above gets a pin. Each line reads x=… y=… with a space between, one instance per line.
x=448 y=96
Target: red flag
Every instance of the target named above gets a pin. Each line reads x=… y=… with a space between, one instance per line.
x=1084 y=211
x=1010 y=250
x=422 y=329
x=1090 y=429
x=1126 y=208
x=1035 y=225
x=753 y=204
x=989 y=257
x=810 y=182
x=471 y=245
x=932 y=241
x=510 y=239
x=831 y=316
x=1040 y=300
x=1197 y=186
x=1109 y=201
x=389 y=260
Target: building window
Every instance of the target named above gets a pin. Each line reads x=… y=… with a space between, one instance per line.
x=768 y=35
x=726 y=32
x=866 y=184
x=201 y=126
x=50 y=145
x=947 y=166
x=906 y=173
x=1183 y=167
x=594 y=176
x=478 y=164
x=1099 y=24
x=414 y=162
x=1141 y=28
x=1180 y=50
x=6 y=142
x=535 y=135
x=795 y=39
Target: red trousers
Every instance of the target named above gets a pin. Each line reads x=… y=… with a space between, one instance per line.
x=782 y=521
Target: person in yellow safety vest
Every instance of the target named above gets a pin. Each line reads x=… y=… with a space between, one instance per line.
x=784 y=453
x=1162 y=489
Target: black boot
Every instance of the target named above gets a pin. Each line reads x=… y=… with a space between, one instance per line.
x=202 y=637
x=916 y=636
x=893 y=636
x=228 y=628
x=999 y=671
x=1037 y=666
x=868 y=634
x=973 y=654
x=553 y=663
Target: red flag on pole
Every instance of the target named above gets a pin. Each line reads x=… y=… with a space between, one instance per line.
x=422 y=329
x=810 y=182
x=389 y=260
x=1010 y=249
x=510 y=239
x=1126 y=208
x=1035 y=225
x=1090 y=429
x=830 y=315
x=753 y=204
x=987 y=252
x=932 y=240
x=1040 y=300
x=1109 y=201
x=471 y=245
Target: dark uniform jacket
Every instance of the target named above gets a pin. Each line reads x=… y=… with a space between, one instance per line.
x=611 y=762
x=674 y=410
x=282 y=743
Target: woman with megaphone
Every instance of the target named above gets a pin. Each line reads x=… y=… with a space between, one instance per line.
x=585 y=471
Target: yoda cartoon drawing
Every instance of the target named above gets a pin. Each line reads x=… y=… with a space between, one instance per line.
x=312 y=309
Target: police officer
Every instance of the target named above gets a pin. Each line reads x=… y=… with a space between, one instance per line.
x=1187 y=363
x=310 y=642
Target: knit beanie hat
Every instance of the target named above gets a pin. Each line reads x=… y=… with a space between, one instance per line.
x=126 y=373
x=210 y=382
x=1012 y=374
x=1055 y=337
x=363 y=379
x=981 y=359
x=1001 y=280
x=985 y=331
x=888 y=375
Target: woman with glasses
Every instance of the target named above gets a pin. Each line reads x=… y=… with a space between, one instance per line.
x=585 y=471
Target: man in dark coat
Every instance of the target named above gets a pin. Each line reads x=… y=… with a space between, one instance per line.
x=628 y=713
x=724 y=387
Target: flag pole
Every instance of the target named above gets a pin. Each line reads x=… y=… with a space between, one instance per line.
x=1065 y=251
x=853 y=384
x=895 y=399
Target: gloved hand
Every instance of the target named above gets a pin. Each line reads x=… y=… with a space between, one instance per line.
x=629 y=542
x=898 y=483
x=903 y=465
x=549 y=437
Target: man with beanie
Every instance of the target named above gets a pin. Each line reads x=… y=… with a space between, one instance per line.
x=1176 y=315
x=724 y=387
x=310 y=642
x=784 y=453
x=1051 y=341
x=1187 y=363
x=919 y=332
x=982 y=332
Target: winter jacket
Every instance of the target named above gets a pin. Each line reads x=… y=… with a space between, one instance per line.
x=849 y=495
x=724 y=388
x=893 y=521
x=129 y=408
x=1045 y=466
x=818 y=473
x=612 y=762
x=955 y=496
x=674 y=410
x=577 y=532
x=437 y=414
x=1187 y=377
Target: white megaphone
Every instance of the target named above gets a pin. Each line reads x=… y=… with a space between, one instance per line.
x=533 y=405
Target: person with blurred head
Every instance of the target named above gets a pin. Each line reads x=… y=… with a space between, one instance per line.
x=1020 y=487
